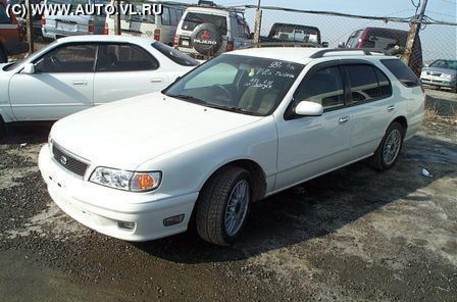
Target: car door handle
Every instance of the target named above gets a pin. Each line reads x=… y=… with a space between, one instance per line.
x=390 y=108
x=343 y=119
x=156 y=80
x=80 y=83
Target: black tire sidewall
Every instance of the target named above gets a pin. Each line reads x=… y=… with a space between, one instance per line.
x=206 y=39
x=212 y=203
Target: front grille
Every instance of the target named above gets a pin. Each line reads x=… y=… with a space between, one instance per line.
x=68 y=161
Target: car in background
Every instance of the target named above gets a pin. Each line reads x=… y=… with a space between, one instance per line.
x=11 y=35
x=236 y=129
x=388 y=39
x=441 y=74
x=77 y=73
x=159 y=27
x=207 y=31
x=294 y=35
x=60 y=25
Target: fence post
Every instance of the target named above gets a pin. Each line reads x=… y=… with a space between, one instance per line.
x=257 y=24
x=416 y=23
x=29 y=26
x=117 y=19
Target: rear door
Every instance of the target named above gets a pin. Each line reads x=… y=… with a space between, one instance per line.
x=373 y=106
x=63 y=83
x=125 y=70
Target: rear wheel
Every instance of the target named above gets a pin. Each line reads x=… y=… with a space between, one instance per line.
x=387 y=153
x=223 y=206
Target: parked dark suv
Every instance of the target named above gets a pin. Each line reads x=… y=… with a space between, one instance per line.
x=11 y=36
x=389 y=39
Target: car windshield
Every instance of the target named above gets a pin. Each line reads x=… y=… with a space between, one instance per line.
x=244 y=84
x=447 y=64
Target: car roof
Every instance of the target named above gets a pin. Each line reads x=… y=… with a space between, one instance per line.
x=106 y=38
x=208 y=9
x=302 y=55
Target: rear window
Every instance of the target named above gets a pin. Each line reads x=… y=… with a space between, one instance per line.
x=402 y=72
x=192 y=20
x=175 y=55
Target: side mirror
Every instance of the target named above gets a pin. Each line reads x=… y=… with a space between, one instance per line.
x=29 y=68
x=309 y=109
x=324 y=44
x=341 y=45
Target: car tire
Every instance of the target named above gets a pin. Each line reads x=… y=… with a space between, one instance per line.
x=389 y=149
x=223 y=206
x=2 y=128
x=206 y=39
x=3 y=56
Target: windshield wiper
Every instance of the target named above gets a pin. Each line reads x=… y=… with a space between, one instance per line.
x=189 y=98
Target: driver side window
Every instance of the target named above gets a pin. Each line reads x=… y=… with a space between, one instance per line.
x=68 y=58
x=325 y=87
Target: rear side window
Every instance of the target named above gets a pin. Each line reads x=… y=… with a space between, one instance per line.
x=193 y=19
x=175 y=55
x=402 y=72
x=367 y=83
x=125 y=57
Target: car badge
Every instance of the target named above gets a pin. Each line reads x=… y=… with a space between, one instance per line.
x=63 y=160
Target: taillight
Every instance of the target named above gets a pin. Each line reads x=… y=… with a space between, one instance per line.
x=106 y=29
x=91 y=27
x=176 y=41
x=157 y=34
x=43 y=21
x=230 y=46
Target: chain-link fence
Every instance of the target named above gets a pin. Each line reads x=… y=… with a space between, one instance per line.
x=433 y=55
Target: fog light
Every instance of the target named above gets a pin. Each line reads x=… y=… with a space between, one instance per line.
x=126 y=225
x=173 y=220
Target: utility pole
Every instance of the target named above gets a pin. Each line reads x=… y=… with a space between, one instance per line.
x=416 y=22
x=257 y=24
x=29 y=26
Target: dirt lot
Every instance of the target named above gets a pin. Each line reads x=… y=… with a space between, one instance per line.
x=353 y=235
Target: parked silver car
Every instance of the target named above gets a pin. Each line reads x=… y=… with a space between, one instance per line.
x=441 y=73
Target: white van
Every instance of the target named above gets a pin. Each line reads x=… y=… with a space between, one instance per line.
x=59 y=25
x=159 y=27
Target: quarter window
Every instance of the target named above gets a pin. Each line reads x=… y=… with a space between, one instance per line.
x=324 y=87
x=404 y=74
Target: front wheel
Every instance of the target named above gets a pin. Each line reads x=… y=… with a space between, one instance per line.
x=223 y=206
x=387 y=153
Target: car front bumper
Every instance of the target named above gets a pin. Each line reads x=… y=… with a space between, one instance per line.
x=106 y=210
x=434 y=81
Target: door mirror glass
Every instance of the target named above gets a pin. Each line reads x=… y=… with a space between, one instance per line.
x=309 y=109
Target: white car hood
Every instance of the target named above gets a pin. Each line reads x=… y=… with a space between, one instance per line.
x=126 y=133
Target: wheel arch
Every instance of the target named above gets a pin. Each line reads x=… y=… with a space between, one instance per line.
x=402 y=121
x=255 y=171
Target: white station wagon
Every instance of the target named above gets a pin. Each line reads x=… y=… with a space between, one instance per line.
x=234 y=130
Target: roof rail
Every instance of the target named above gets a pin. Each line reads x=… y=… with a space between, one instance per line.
x=282 y=44
x=366 y=51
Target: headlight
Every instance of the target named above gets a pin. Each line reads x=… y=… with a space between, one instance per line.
x=446 y=76
x=126 y=180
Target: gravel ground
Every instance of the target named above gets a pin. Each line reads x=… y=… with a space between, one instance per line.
x=353 y=235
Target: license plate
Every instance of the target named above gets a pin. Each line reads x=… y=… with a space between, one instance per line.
x=65 y=26
x=185 y=43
